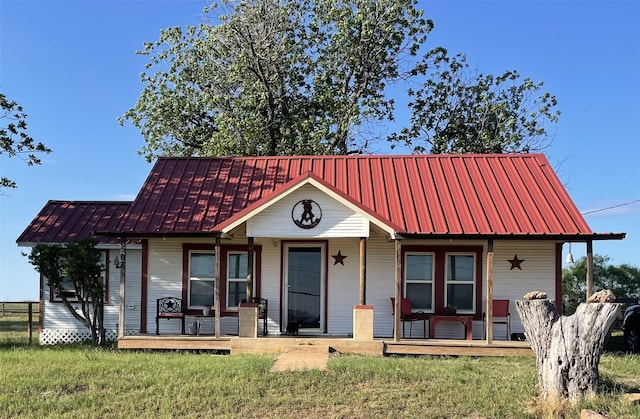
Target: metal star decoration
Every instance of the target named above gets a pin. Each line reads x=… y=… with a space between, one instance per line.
x=515 y=262
x=338 y=258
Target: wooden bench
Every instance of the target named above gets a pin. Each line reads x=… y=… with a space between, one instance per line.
x=169 y=308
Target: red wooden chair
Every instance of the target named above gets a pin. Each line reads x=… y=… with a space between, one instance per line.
x=406 y=315
x=501 y=315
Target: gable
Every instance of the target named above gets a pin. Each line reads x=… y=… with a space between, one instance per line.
x=334 y=219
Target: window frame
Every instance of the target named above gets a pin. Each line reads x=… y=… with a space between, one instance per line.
x=225 y=249
x=54 y=297
x=430 y=281
x=440 y=273
x=190 y=278
x=447 y=281
x=233 y=279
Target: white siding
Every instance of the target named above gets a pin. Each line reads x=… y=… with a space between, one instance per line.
x=270 y=283
x=337 y=219
x=343 y=285
x=165 y=279
x=56 y=319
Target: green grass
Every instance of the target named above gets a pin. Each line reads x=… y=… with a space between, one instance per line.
x=78 y=381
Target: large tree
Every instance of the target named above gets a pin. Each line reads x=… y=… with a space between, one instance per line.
x=623 y=280
x=458 y=110
x=268 y=77
x=14 y=139
x=75 y=274
x=271 y=77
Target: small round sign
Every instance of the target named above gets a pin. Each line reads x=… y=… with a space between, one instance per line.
x=306 y=213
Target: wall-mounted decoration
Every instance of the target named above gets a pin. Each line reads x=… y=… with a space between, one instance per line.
x=339 y=258
x=306 y=213
x=515 y=262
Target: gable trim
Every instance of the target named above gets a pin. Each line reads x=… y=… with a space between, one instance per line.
x=307 y=178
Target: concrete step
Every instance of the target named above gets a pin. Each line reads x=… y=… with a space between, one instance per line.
x=307 y=349
x=302 y=357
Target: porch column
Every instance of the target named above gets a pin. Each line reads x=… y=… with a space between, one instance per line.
x=249 y=292
x=217 y=287
x=589 y=269
x=123 y=278
x=398 y=293
x=489 y=309
x=363 y=271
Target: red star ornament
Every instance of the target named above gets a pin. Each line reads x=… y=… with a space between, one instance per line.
x=338 y=258
x=515 y=262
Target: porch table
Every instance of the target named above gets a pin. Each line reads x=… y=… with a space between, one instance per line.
x=466 y=320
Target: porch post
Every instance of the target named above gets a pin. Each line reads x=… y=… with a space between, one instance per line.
x=489 y=309
x=398 y=285
x=589 y=269
x=217 y=287
x=250 y=271
x=123 y=278
x=363 y=271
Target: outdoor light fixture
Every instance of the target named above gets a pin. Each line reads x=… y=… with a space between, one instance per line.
x=116 y=261
x=569 y=256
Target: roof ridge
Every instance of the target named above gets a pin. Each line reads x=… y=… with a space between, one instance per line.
x=358 y=156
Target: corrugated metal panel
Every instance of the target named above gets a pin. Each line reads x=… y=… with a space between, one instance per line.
x=419 y=194
x=427 y=194
x=65 y=221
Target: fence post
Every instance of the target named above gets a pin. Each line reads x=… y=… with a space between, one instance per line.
x=30 y=323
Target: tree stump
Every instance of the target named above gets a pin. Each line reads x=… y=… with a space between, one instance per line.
x=567 y=348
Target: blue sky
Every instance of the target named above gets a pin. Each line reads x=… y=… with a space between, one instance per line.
x=71 y=65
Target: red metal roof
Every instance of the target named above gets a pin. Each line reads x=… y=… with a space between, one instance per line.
x=66 y=221
x=504 y=194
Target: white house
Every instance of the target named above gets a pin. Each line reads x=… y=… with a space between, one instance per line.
x=325 y=234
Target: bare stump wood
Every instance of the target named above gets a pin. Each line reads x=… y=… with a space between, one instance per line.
x=567 y=348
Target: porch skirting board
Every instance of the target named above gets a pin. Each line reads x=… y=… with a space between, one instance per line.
x=375 y=347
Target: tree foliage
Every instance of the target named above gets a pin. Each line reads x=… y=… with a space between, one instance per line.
x=269 y=77
x=623 y=280
x=74 y=273
x=286 y=77
x=14 y=140
x=457 y=110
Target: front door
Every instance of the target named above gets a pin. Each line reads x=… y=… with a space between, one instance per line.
x=304 y=285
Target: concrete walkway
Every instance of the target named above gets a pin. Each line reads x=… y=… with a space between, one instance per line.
x=302 y=357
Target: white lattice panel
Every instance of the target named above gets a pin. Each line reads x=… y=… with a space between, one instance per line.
x=65 y=336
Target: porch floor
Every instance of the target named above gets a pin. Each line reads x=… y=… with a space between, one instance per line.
x=343 y=344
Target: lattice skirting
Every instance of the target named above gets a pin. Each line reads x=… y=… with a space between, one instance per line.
x=62 y=336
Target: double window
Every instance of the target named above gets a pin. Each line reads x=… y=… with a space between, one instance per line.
x=436 y=278
x=200 y=278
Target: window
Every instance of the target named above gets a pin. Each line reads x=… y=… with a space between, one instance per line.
x=419 y=281
x=236 y=279
x=198 y=275
x=69 y=291
x=201 y=279
x=439 y=276
x=460 y=279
